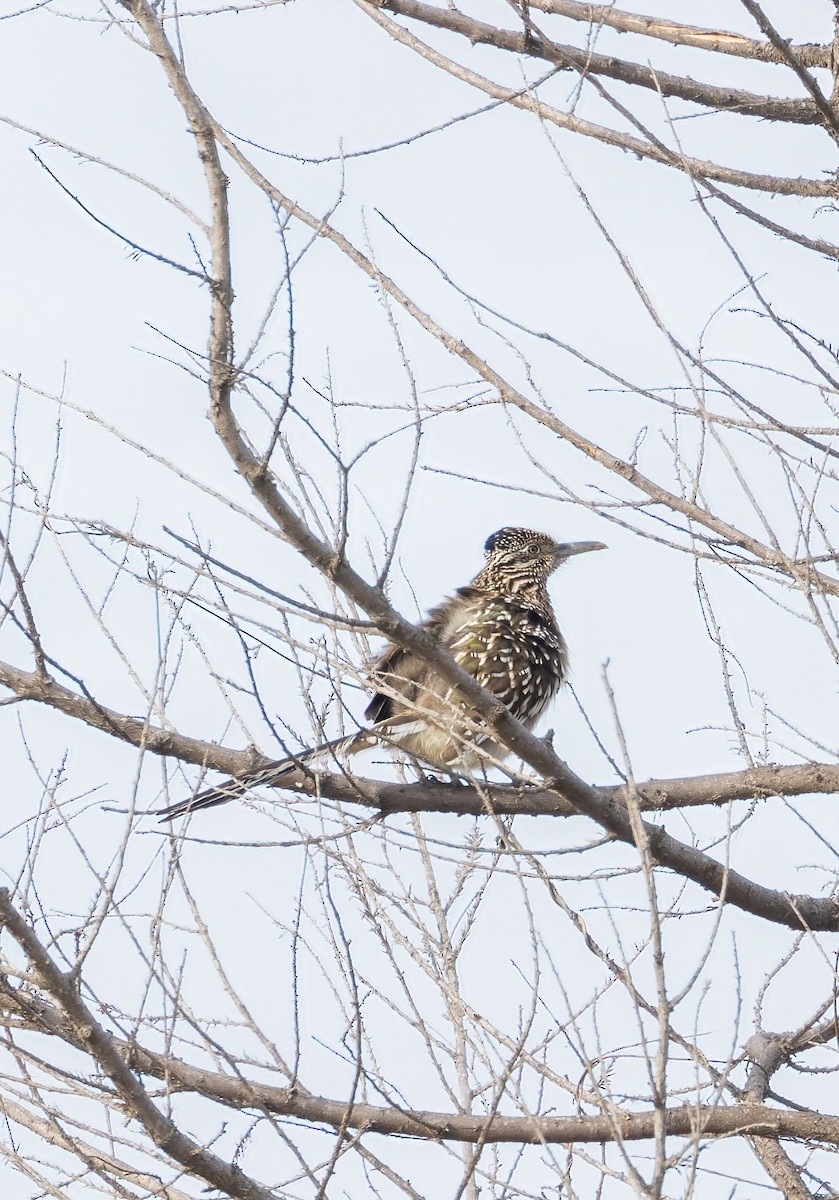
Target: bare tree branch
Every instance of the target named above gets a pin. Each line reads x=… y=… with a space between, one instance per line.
x=716 y=41
x=752 y=1119
x=587 y=62
x=527 y=100
x=87 y=1032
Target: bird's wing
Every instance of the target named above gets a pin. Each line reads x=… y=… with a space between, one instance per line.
x=386 y=665
x=397 y=669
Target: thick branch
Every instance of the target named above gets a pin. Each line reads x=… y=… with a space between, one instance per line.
x=587 y=62
x=718 y=41
x=238 y=1093
x=527 y=100
x=28 y=685
x=88 y=1035
x=754 y=783
x=655 y=795
x=568 y=795
x=767 y=1053
x=828 y=116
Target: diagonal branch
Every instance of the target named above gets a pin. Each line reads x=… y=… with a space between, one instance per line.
x=91 y=1037
x=587 y=62
x=52 y=1132
x=564 y=795
x=767 y=1053
x=819 y=100
x=718 y=41
x=528 y=101
x=800 y=570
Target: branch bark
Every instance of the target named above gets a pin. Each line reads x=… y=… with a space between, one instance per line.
x=587 y=62
x=768 y=1052
x=753 y=1119
x=90 y=1036
x=564 y=795
x=529 y=101
x=717 y=41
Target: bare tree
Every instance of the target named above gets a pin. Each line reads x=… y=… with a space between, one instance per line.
x=606 y=967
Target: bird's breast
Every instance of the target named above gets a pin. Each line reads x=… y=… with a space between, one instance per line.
x=514 y=652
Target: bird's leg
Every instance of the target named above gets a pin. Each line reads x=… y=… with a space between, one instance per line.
x=444 y=778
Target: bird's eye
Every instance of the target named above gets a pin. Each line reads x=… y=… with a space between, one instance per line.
x=532 y=549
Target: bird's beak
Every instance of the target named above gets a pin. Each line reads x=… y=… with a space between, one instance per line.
x=569 y=549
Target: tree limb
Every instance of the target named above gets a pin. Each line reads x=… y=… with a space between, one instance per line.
x=718 y=41
x=568 y=796
x=587 y=62
x=752 y=1119
x=90 y=1036
x=529 y=101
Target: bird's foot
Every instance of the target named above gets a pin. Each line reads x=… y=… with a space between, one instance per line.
x=443 y=779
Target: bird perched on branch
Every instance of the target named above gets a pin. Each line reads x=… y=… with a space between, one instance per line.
x=500 y=628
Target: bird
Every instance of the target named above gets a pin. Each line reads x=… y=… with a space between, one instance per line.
x=501 y=628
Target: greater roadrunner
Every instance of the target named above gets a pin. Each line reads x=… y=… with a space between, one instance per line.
x=501 y=628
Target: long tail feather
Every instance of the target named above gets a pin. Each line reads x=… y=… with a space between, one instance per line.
x=267 y=776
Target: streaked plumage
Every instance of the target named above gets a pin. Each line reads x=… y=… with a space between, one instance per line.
x=500 y=628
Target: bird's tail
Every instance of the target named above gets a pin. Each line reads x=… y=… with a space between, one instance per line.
x=270 y=775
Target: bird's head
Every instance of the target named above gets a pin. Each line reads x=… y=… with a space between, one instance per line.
x=518 y=557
